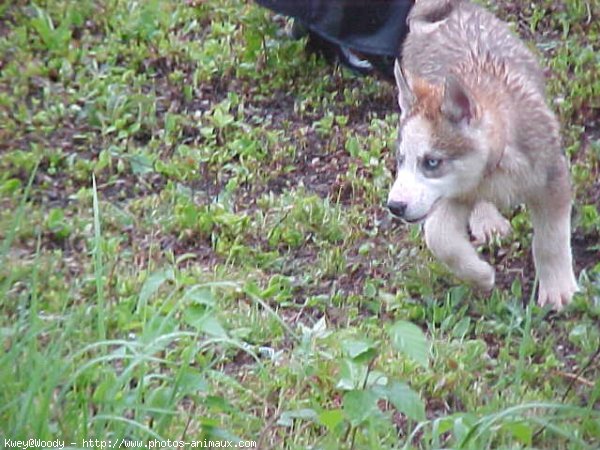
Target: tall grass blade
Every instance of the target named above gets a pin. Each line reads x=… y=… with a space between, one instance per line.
x=98 y=265
x=12 y=231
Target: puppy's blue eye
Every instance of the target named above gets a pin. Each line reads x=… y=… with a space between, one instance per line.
x=431 y=163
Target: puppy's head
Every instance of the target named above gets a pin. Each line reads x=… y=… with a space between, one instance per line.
x=439 y=151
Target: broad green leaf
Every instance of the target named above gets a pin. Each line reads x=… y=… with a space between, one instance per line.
x=200 y=295
x=141 y=164
x=159 y=325
x=104 y=391
x=287 y=418
x=353 y=146
x=204 y=321
x=221 y=119
x=521 y=431
x=359 y=405
x=55 y=218
x=192 y=381
x=218 y=403
x=408 y=338
x=11 y=185
x=152 y=284
x=359 y=351
x=352 y=375
x=404 y=399
x=441 y=426
x=159 y=398
x=462 y=426
x=331 y=418
x=461 y=328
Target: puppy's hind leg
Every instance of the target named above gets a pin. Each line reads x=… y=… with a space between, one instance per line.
x=551 y=217
x=447 y=238
x=486 y=222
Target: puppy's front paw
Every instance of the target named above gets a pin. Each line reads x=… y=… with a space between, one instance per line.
x=484 y=277
x=486 y=222
x=557 y=293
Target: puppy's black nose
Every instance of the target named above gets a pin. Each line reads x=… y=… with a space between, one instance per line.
x=397 y=208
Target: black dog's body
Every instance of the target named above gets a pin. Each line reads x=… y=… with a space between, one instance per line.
x=373 y=28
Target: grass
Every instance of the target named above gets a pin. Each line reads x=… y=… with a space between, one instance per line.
x=194 y=245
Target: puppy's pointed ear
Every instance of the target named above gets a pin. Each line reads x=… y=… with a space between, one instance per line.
x=458 y=105
x=405 y=95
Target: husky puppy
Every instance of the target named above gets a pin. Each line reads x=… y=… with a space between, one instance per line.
x=476 y=135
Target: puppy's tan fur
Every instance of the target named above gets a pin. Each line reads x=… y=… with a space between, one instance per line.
x=473 y=104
